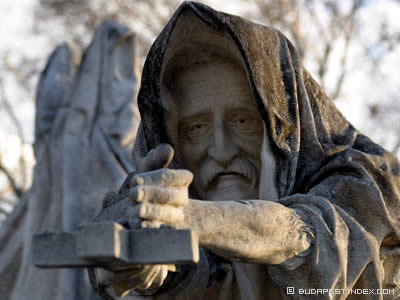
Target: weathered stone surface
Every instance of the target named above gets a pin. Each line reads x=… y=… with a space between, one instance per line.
x=112 y=247
x=86 y=119
x=331 y=216
x=325 y=215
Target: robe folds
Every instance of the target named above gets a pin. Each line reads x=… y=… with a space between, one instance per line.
x=344 y=186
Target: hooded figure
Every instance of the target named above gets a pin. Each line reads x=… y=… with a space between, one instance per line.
x=343 y=188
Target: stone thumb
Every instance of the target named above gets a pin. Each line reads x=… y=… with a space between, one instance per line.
x=159 y=157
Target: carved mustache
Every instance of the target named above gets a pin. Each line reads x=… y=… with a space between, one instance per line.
x=211 y=170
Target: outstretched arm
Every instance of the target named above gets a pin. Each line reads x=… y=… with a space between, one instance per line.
x=254 y=231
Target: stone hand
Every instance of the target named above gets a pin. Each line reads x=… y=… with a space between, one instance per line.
x=159 y=196
x=139 y=277
x=162 y=196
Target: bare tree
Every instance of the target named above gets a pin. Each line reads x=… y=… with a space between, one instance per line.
x=21 y=71
x=81 y=17
x=337 y=26
x=294 y=18
x=16 y=178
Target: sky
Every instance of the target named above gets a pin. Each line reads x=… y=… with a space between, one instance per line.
x=17 y=40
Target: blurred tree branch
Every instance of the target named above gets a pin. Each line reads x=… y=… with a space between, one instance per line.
x=287 y=16
x=12 y=176
x=2 y=210
x=84 y=16
x=13 y=183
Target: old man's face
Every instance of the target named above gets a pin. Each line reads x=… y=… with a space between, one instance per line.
x=220 y=131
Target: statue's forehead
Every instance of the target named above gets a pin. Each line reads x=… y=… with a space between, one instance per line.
x=217 y=84
x=192 y=43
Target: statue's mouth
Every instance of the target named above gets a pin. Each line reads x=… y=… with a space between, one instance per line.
x=226 y=177
x=230 y=186
x=240 y=172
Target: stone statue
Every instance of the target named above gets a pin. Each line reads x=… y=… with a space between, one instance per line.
x=83 y=143
x=238 y=143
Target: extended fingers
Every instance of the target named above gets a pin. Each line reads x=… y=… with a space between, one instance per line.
x=159 y=195
x=134 y=279
x=158 y=280
x=165 y=214
x=150 y=224
x=163 y=178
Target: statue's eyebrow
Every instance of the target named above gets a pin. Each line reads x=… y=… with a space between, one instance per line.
x=202 y=115
x=243 y=110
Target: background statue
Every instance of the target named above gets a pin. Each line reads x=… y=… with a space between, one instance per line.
x=314 y=203
x=86 y=121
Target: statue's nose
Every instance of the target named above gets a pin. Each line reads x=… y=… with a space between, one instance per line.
x=222 y=147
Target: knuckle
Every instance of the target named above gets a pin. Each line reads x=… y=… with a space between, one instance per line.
x=155 y=194
x=164 y=195
x=168 y=196
x=180 y=197
x=184 y=197
x=137 y=194
x=155 y=211
x=150 y=224
x=137 y=180
x=173 y=214
x=189 y=176
x=167 y=176
x=141 y=193
x=143 y=210
x=180 y=215
x=149 y=211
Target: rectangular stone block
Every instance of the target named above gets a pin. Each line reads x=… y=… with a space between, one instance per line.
x=111 y=246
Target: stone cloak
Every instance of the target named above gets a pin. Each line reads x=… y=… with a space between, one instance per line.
x=344 y=186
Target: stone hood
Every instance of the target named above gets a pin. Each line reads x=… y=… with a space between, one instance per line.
x=345 y=187
x=317 y=150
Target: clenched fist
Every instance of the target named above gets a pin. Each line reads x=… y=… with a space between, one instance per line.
x=159 y=196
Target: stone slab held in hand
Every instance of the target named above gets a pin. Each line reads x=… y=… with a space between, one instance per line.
x=111 y=246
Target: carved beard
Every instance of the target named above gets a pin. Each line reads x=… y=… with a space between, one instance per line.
x=211 y=170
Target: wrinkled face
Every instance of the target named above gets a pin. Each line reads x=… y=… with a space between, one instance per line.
x=220 y=131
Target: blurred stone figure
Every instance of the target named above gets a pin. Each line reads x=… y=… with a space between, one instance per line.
x=85 y=126
x=281 y=189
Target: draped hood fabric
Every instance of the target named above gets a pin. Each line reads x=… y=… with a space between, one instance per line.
x=344 y=186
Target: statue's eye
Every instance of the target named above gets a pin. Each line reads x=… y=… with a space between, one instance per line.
x=197 y=127
x=248 y=123
x=242 y=122
x=195 y=131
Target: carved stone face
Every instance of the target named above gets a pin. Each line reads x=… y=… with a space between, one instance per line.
x=220 y=131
